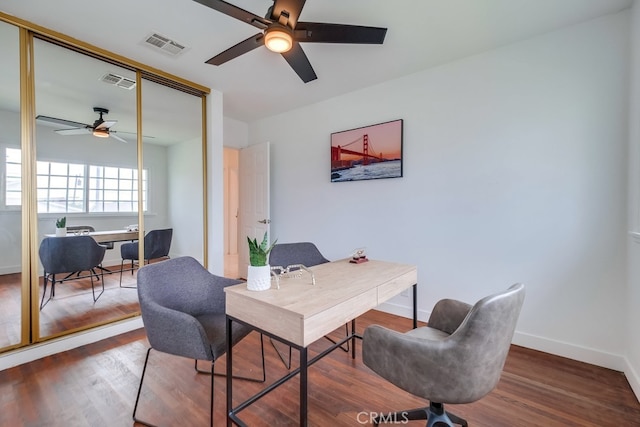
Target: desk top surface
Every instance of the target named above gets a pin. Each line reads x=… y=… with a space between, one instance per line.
x=302 y=312
x=105 y=236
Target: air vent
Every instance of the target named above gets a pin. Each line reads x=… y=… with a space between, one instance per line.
x=164 y=44
x=116 y=80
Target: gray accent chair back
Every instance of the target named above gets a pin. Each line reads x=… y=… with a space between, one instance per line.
x=157 y=244
x=305 y=253
x=457 y=358
x=70 y=254
x=183 y=311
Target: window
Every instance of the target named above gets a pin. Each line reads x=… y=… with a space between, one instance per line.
x=115 y=189
x=60 y=187
x=13 y=179
x=64 y=187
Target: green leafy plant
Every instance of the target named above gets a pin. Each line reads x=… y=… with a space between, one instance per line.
x=61 y=222
x=258 y=253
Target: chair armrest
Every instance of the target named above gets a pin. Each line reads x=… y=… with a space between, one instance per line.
x=175 y=332
x=448 y=314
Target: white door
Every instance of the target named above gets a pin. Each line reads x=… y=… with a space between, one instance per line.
x=253 y=218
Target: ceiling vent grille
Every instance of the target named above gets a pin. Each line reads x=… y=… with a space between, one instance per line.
x=116 y=80
x=164 y=44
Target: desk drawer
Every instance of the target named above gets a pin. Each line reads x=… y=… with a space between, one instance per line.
x=388 y=290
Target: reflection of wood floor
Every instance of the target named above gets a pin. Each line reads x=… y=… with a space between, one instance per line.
x=72 y=307
x=96 y=385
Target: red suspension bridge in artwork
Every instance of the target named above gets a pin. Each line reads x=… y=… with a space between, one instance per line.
x=366 y=156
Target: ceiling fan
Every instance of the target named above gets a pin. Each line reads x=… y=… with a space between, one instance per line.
x=99 y=128
x=282 y=33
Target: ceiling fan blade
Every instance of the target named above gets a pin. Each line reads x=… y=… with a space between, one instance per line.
x=76 y=131
x=106 y=124
x=112 y=134
x=62 y=122
x=236 y=12
x=241 y=48
x=134 y=134
x=298 y=60
x=292 y=7
x=319 y=32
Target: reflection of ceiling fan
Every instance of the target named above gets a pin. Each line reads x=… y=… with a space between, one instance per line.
x=282 y=32
x=100 y=127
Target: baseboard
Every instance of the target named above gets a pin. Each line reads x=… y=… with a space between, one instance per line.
x=403 y=310
x=559 y=348
x=633 y=378
x=58 y=345
x=10 y=269
x=570 y=351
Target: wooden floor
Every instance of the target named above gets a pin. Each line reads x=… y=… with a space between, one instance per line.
x=72 y=307
x=96 y=385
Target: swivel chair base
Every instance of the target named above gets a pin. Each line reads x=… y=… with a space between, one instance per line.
x=434 y=414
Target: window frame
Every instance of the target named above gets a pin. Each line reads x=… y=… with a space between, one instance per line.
x=86 y=188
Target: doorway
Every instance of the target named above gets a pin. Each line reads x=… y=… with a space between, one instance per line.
x=231 y=205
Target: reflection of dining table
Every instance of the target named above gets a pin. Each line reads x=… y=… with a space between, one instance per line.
x=113 y=236
x=105 y=236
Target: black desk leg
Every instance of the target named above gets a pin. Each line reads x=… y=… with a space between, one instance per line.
x=303 y=386
x=415 y=306
x=229 y=374
x=353 y=340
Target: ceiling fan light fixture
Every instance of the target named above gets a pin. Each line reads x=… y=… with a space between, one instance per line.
x=101 y=133
x=278 y=39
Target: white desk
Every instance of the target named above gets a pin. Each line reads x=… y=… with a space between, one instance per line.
x=300 y=313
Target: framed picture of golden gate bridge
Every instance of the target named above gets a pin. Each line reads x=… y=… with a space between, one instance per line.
x=370 y=152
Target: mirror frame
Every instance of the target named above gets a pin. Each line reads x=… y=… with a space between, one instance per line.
x=29 y=236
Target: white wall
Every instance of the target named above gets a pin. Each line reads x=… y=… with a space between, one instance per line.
x=515 y=171
x=633 y=292
x=185 y=194
x=236 y=133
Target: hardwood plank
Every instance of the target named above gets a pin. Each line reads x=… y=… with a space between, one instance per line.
x=96 y=385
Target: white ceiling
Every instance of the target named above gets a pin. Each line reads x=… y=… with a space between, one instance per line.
x=421 y=34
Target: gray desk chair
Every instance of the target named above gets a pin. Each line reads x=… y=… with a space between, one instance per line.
x=81 y=229
x=305 y=253
x=183 y=311
x=457 y=358
x=157 y=244
x=71 y=254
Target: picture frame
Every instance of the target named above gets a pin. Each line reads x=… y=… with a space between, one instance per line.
x=368 y=152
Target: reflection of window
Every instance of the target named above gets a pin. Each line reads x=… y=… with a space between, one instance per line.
x=60 y=187
x=115 y=189
x=64 y=187
x=13 y=179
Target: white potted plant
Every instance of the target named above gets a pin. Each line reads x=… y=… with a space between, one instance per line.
x=61 y=227
x=259 y=273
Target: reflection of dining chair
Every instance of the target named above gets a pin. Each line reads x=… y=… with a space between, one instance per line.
x=458 y=358
x=156 y=245
x=286 y=254
x=85 y=229
x=69 y=254
x=183 y=311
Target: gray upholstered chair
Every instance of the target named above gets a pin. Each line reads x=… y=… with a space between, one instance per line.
x=85 y=229
x=157 y=244
x=457 y=358
x=69 y=254
x=183 y=311
x=286 y=254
